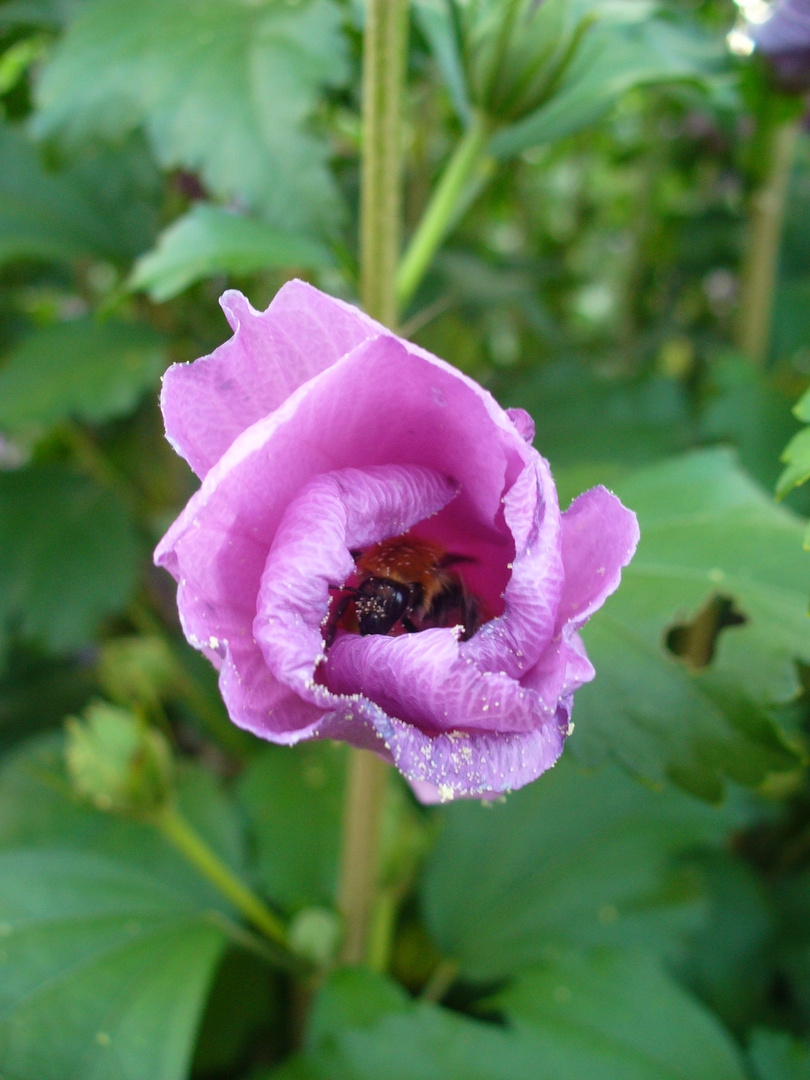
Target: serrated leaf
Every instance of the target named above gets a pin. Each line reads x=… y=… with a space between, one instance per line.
x=97 y=209
x=775 y=1055
x=223 y=87
x=611 y=60
x=109 y=939
x=706 y=530
x=606 y=1015
x=70 y=556
x=293 y=800
x=796 y=456
x=574 y=858
x=90 y=370
x=209 y=240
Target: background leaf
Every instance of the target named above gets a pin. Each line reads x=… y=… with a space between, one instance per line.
x=777 y=1056
x=294 y=804
x=706 y=530
x=609 y=1015
x=223 y=88
x=84 y=369
x=208 y=240
x=70 y=556
x=101 y=208
x=105 y=930
x=586 y=859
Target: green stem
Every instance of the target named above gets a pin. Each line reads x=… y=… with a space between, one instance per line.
x=385 y=49
x=180 y=833
x=384 y=54
x=762 y=260
x=359 y=869
x=442 y=208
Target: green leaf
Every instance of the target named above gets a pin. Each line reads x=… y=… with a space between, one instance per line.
x=70 y=556
x=101 y=208
x=109 y=940
x=84 y=369
x=775 y=1055
x=574 y=858
x=209 y=240
x=223 y=87
x=611 y=59
x=605 y=1015
x=730 y=960
x=617 y=1015
x=706 y=531
x=797 y=458
x=294 y=801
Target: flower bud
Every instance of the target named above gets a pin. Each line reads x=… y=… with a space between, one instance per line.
x=515 y=51
x=117 y=761
x=315 y=933
x=136 y=670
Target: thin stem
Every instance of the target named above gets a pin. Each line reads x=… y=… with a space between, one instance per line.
x=385 y=48
x=443 y=977
x=443 y=208
x=192 y=846
x=762 y=260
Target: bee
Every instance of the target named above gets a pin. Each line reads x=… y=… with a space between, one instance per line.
x=405 y=585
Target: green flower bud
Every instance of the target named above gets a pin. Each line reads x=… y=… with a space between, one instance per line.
x=515 y=51
x=316 y=933
x=117 y=761
x=135 y=670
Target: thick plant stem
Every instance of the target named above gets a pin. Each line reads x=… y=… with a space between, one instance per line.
x=384 y=53
x=442 y=208
x=385 y=47
x=180 y=833
x=762 y=259
x=360 y=855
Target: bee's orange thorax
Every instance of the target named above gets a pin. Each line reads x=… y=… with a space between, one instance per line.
x=407 y=561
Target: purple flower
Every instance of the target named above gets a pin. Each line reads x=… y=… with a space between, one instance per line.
x=318 y=434
x=785 y=39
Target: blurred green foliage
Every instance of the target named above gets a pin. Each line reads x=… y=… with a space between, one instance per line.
x=155 y=153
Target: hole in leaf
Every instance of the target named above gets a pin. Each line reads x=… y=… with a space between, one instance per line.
x=696 y=641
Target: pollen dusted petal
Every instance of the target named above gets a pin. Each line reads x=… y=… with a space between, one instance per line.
x=334 y=514
x=316 y=431
x=423 y=679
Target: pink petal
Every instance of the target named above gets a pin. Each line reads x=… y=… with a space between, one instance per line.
x=208 y=403
x=599 y=537
x=452 y=764
x=423 y=679
x=335 y=513
x=523 y=423
x=513 y=643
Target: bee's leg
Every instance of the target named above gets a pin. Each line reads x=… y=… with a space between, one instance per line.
x=472 y=616
x=337 y=614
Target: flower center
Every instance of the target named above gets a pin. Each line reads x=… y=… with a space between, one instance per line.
x=402 y=586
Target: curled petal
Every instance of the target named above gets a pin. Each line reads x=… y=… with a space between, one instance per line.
x=523 y=424
x=334 y=513
x=451 y=764
x=512 y=643
x=208 y=403
x=599 y=537
x=424 y=680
